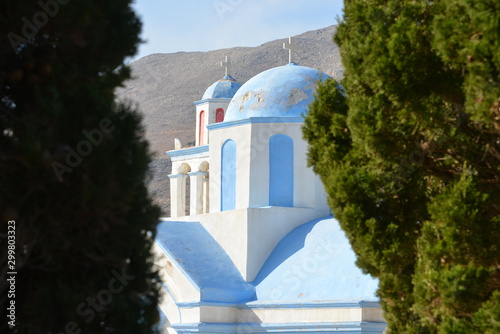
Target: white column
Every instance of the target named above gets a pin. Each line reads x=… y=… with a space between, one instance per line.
x=177 y=195
x=206 y=196
x=196 y=196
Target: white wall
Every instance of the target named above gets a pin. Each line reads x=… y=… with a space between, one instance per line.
x=241 y=136
x=304 y=177
x=252 y=163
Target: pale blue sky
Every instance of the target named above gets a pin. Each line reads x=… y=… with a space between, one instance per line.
x=202 y=25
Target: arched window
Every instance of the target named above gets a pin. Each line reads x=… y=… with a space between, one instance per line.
x=219 y=115
x=228 y=176
x=281 y=171
x=202 y=127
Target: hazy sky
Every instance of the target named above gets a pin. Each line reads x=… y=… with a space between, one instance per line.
x=202 y=25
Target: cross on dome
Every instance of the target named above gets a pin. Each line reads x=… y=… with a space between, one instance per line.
x=227 y=65
x=291 y=47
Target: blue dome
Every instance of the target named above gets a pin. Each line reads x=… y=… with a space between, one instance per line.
x=314 y=262
x=284 y=91
x=225 y=88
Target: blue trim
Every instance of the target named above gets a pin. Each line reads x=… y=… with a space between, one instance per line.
x=255 y=120
x=196 y=173
x=297 y=327
x=177 y=176
x=281 y=171
x=228 y=176
x=169 y=292
x=286 y=304
x=187 y=151
x=215 y=100
x=173 y=298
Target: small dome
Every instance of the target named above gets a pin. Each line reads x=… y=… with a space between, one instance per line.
x=284 y=91
x=225 y=88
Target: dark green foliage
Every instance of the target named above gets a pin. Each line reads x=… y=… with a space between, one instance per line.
x=409 y=152
x=80 y=222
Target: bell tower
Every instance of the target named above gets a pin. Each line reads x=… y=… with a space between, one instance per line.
x=213 y=105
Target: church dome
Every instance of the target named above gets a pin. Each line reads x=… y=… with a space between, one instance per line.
x=225 y=88
x=315 y=259
x=284 y=91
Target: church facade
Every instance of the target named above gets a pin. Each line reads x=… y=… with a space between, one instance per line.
x=254 y=249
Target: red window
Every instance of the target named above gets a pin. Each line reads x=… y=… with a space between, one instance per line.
x=202 y=127
x=219 y=115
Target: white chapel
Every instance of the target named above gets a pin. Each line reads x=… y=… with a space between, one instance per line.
x=254 y=249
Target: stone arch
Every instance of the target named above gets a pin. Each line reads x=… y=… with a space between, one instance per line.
x=203 y=167
x=184 y=168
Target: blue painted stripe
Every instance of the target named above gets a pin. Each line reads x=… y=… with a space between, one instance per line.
x=255 y=120
x=286 y=305
x=187 y=151
x=215 y=100
x=295 y=327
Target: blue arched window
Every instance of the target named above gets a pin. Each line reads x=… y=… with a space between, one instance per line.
x=281 y=171
x=228 y=176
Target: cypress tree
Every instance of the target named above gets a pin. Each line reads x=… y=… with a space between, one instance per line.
x=408 y=148
x=73 y=167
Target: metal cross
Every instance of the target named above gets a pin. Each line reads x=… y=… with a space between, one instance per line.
x=227 y=65
x=291 y=47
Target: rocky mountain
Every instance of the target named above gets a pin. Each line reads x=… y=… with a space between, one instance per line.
x=164 y=87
